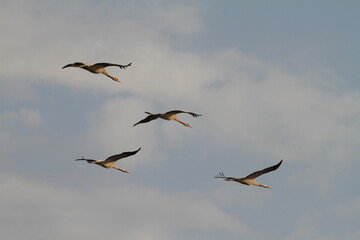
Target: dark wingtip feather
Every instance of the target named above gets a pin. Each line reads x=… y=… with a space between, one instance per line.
x=220 y=175
x=278 y=165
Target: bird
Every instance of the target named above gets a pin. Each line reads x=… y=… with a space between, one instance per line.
x=97 y=68
x=251 y=179
x=110 y=161
x=171 y=115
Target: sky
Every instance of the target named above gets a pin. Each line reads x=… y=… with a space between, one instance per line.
x=272 y=80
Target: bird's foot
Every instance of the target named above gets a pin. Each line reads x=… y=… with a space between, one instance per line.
x=116 y=79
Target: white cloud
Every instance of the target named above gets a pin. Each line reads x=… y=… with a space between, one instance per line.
x=144 y=211
x=342 y=216
x=27 y=117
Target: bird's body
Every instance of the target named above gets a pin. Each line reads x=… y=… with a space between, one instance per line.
x=171 y=115
x=97 y=68
x=251 y=178
x=110 y=161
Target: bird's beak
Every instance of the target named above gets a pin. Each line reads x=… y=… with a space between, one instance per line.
x=69 y=65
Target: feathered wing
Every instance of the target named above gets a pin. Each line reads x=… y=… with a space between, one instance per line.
x=221 y=175
x=116 y=157
x=85 y=159
x=76 y=64
x=68 y=65
x=112 y=64
x=148 y=119
x=266 y=170
x=180 y=111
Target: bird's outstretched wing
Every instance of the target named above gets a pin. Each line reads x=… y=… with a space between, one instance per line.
x=112 y=64
x=85 y=159
x=76 y=64
x=180 y=111
x=266 y=170
x=116 y=157
x=148 y=119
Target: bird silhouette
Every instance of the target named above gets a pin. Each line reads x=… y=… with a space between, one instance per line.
x=110 y=161
x=97 y=68
x=251 y=178
x=171 y=115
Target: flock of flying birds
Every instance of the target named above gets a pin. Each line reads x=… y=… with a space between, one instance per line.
x=171 y=115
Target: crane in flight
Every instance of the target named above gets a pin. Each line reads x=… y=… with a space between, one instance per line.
x=110 y=161
x=251 y=179
x=97 y=68
x=171 y=115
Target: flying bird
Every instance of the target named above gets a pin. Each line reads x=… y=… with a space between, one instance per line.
x=97 y=68
x=171 y=115
x=110 y=161
x=251 y=179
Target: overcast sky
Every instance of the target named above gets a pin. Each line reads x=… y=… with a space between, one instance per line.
x=272 y=79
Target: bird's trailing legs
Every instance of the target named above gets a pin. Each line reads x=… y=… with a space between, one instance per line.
x=113 y=78
x=120 y=169
x=184 y=123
